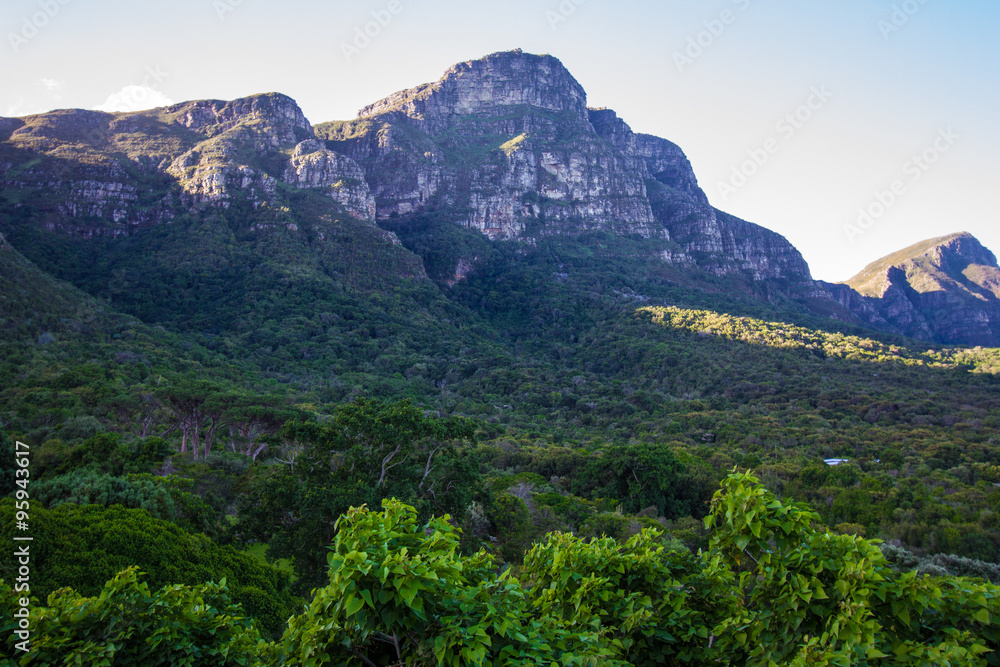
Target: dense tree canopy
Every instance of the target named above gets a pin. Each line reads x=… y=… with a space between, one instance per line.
x=773 y=588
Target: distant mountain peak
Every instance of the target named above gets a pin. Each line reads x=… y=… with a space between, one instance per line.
x=276 y=108
x=947 y=255
x=504 y=144
x=944 y=289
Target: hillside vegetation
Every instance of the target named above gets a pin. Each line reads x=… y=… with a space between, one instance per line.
x=328 y=396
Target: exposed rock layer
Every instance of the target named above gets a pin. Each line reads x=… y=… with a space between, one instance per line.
x=505 y=145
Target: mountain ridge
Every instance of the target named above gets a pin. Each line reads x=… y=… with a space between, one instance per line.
x=504 y=145
x=945 y=287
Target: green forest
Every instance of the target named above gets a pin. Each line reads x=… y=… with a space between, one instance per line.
x=247 y=451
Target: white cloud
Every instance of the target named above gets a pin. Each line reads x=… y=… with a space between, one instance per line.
x=52 y=85
x=135 y=98
x=23 y=107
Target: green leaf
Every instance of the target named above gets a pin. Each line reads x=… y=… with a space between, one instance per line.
x=352 y=605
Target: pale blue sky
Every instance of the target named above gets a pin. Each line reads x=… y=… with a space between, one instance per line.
x=892 y=94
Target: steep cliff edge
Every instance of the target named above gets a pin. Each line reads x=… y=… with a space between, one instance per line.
x=507 y=146
x=95 y=173
x=503 y=148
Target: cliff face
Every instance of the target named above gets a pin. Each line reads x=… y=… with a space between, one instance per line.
x=504 y=145
x=487 y=87
x=944 y=290
x=507 y=145
x=95 y=173
x=711 y=239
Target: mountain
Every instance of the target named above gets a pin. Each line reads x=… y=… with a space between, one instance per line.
x=507 y=146
x=230 y=224
x=481 y=298
x=945 y=289
x=498 y=163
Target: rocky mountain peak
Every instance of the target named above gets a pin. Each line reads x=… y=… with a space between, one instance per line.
x=927 y=265
x=504 y=145
x=945 y=289
x=73 y=126
x=212 y=117
x=486 y=86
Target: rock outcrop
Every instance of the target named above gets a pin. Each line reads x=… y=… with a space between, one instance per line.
x=944 y=290
x=506 y=145
x=715 y=241
x=94 y=173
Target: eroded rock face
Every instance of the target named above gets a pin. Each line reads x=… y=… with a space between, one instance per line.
x=110 y=174
x=943 y=290
x=487 y=87
x=723 y=244
x=667 y=164
x=337 y=176
x=505 y=142
x=280 y=120
x=241 y=140
x=505 y=145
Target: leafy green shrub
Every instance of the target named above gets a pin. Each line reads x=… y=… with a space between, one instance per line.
x=126 y=624
x=82 y=546
x=162 y=497
x=400 y=594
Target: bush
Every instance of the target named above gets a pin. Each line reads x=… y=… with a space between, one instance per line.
x=126 y=624
x=83 y=546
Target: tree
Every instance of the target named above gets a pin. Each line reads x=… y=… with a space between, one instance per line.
x=188 y=400
x=813 y=598
x=643 y=475
x=126 y=624
x=652 y=606
x=251 y=418
x=399 y=593
x=83 y=546
x=366 y=452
